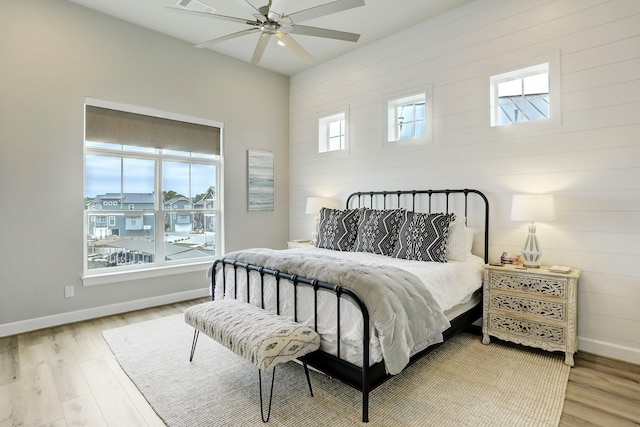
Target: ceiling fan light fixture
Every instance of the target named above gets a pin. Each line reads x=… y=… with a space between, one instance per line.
x=270 y=28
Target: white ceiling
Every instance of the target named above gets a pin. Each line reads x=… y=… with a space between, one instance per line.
x=376 y=20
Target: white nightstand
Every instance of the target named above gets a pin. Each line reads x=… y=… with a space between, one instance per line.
x=533 y=306
x=299 y=244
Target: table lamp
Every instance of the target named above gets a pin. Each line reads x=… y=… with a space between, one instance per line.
x=532 y=207
x=314 y=204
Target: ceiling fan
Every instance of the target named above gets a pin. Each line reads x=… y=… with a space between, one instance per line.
x=271 y=21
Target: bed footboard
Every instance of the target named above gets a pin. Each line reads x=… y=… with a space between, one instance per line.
x=331 y=364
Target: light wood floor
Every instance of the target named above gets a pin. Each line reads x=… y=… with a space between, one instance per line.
x=67 y=376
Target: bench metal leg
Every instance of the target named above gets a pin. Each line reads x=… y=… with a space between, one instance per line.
x=306 y=371
x=273 y=377
x=193 y=344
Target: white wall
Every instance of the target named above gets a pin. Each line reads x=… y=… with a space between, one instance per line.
x=53 y=53
x=591 y=162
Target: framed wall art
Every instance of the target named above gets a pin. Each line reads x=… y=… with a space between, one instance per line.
x=260 y=166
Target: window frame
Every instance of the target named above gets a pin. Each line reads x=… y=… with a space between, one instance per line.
x=160 y=266
x=413 y=97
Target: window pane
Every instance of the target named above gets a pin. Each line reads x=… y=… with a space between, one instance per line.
x=117 y=240
x=175 y=180
x=189 y=235
x=510 y=88
x=138 y=185
x=406 y=131
x=405 y=113
x=335 y=129
x=203 y=177
x=537 y=84
x=335 y=143
x=102 y=176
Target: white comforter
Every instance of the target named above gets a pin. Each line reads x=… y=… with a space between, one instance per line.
x=444 y=285
x=451 y=283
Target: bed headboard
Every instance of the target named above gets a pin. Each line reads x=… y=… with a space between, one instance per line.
x=472 y=205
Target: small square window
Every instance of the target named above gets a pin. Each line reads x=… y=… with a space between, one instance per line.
x=408 y=118
x=520 y=96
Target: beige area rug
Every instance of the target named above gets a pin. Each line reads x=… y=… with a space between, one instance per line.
x=461 y=383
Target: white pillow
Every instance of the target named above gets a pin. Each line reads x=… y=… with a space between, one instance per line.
x=471 y=232
x=459 y=241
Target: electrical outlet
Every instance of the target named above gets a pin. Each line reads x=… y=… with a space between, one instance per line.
x=68 y=291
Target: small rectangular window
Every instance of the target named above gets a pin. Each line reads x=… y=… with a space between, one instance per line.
x=332 y=133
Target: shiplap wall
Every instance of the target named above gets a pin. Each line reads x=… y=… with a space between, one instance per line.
x=591 y=162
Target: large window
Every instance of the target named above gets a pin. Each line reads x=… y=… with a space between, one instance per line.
x=151 y=190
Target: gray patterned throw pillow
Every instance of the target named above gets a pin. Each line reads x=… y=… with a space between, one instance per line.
x=338 y=229
x=423 y=237
x=378 y=231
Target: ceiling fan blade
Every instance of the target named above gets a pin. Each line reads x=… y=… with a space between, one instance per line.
x=214 y=15
x=295 y=47
x=227 y=37
x=276 y=9
x=251 y=9
x=324 y=9
x=260 y=47
x=324 y=32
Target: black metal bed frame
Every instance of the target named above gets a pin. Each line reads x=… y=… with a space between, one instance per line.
x=365 y=378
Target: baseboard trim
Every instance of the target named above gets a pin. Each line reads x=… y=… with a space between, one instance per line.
x=607 y=349
x=28 y=325
x=600 y=348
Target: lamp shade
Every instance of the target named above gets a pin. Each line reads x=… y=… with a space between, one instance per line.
x=533 y=207
x=314 y=204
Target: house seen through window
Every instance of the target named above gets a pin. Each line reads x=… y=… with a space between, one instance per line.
x=146 y=205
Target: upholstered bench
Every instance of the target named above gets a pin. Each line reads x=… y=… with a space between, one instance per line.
x=260 y=336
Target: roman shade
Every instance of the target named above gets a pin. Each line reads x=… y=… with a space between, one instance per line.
x=125 y=128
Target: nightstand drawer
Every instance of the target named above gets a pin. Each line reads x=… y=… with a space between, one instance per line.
x=528 y=329
x=540 y=285
x=527 y=306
